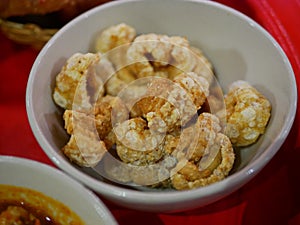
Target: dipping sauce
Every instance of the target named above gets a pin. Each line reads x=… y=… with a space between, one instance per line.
x=24 y=206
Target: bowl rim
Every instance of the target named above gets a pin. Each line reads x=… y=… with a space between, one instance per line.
x=230 y=182
x=25 y=163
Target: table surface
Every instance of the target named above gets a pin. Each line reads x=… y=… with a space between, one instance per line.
x=272 y=197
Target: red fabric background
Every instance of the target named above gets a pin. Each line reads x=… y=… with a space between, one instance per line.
x=272 y=197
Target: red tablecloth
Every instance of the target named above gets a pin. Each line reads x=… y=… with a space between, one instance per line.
x=272 y=197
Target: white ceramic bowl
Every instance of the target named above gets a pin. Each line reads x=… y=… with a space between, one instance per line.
x=238 y=47
x=57 y=185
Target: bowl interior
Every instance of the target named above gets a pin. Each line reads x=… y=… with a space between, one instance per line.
x=237 y=46
x=55 y=184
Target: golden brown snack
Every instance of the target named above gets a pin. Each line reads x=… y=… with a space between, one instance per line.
x=159 y=113
x=156 y=108
x=164 y=115
x=79 y=84
x=248 y=113
x=167 y=56
x=72 y=76
x=209 y=127
x=107 y=111
x=152 y=52
x=84 y=147
x=113 y=42
x=137 y=144
x=147 y=48
x=196 y=86
x=196 y=146
x=168 y=105
x=191 y=175
x=191 y=142
x=113 y=37
x=195 y=149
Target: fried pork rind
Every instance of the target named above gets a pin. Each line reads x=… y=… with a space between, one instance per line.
x=196 y=86
x=203 y=153
x=168 y=105
x=190 y=142
x=146 y=49
x=161 y=55
x=161 y=112
x=91 y=131
x=209 y=127
x=78 y=84
x=114 y=42
x=248 y=113
x=114 y=36
x=144 y=168
x=137 y=144
x=194 y=156
x=84 y=147
x=191 y=175
x=106 y=110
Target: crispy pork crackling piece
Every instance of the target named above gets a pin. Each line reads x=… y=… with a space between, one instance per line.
x=113 y=42
x=196 y=86
x=248 y=113
x=91 y=132
x=80 y=82
x=162 y=55
x=137 y=144
x=191 y=175
x=84 y=147
x=169 y=105
x=177 y=162
x=114 y=36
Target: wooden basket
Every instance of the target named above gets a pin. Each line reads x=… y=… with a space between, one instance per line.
x=28 y=34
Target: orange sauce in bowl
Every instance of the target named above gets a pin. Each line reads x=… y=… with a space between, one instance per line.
x=44 y=209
